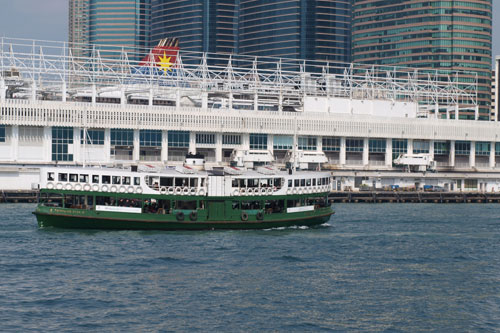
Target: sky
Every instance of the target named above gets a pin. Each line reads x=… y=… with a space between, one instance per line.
x=48 y=20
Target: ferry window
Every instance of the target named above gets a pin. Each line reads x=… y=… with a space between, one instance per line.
x=252 y=182
x=51 y=199
x=73 y=177
x=277 y=182
x=95 y=179
x=63 y=177
x=153 y=206
x=292 y=203
x=302 y=182
x=289 y=183
x=166 y=181
x=126 y=180
x=314 y=181
x=234 y=183
x=296 y=182
x=308 y=182
x=105 y=201
x=84 y=178
x=181 y=182
x=193 y=182
x=252 y=205
x=116 y=180
x=50 y=176
x=241 y=182
x=236 y=205
x=185 y=205
x=263 y=182
x=137 y=181
x=274 y=206
x=129 y=202
x=106 y=180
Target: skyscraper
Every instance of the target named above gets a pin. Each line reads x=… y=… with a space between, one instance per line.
x=200 y=25
x=449 y=36
x=297 y=29
x=115 y=25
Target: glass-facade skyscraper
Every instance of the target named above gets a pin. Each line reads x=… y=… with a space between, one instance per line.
x=296 y=29
x=450 y=36
x=201 y=25
x=113 y=24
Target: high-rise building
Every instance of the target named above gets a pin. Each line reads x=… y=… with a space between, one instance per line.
x=200 y=25
x=115 y=25
x=78 y=26
x=296 y=29
x=495 y=90
x=454 y=37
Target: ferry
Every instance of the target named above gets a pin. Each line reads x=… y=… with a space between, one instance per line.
x=182 y=198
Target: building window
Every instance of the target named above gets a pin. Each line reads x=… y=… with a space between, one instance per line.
x=62 y=137
x=483 y=148
x=231 y=139
x=497 y=149
x=92 y=136
x=377 y=145
x=122 y=137
x=331 y=144
x=441 y=148
x=462 y=148
x=282 y=142
x=2 y=133
x=399 y=146
x=307 y=143
x=178 y=139
x=354 y=145
x=150 y=138
x=420 y=147
x=258 y=141
x=205 y=138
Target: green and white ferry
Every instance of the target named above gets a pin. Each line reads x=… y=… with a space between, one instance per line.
x=182 y=198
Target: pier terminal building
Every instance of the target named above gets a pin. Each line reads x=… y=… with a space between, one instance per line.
x=356 y=120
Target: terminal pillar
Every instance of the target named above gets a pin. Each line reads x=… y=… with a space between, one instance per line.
x=270 y=143
x=78 y=152
x=218 y=147
x=409 y=146
x=245 y=141
x=15 y=143
x=452 y=154
x=388 y=153
x=63 y=92
x=431 y=149
x=472 y=155
x=107 y=145
x=164 y=146
x=150 y=97
x=342 y=155
x=94 y=94
x=2 y=90
x=137 y=146
x=204 y=100
x=492 y=155
x=47 y=144
x=366 y=151
x=192 y=142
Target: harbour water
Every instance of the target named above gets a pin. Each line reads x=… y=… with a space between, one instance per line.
x=384 y=267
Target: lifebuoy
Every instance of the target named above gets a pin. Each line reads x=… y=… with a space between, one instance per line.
x=179 y=216
x=178 y=190
x=300 y=191
x=289 y=191
x=138 y=190
x=185 y=190
x=192 y=191
x=201 y=191
x=163 y=190
x=130 y=189
x=68 y=187
x=50 y=186
x=113 y=188
x=59 y=186
x=171 y=190
x=294 y=191
x=95 y=187
x=193 y=216
x=244 y=216
x=86 y=187
x=78 y=187
x=236 y=193
x=250 y=191
x=123 y=189
x=263 y=191
x=269 y=191
x=260 y=216
x=243 y=191
x=104 y=188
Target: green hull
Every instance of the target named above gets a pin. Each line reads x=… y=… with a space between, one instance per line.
x=46 y=219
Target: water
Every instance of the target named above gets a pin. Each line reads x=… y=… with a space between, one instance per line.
x=394 y=267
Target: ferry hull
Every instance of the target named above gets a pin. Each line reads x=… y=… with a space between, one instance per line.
x=88 y=222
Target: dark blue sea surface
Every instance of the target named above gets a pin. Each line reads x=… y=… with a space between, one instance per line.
x=383 y=267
